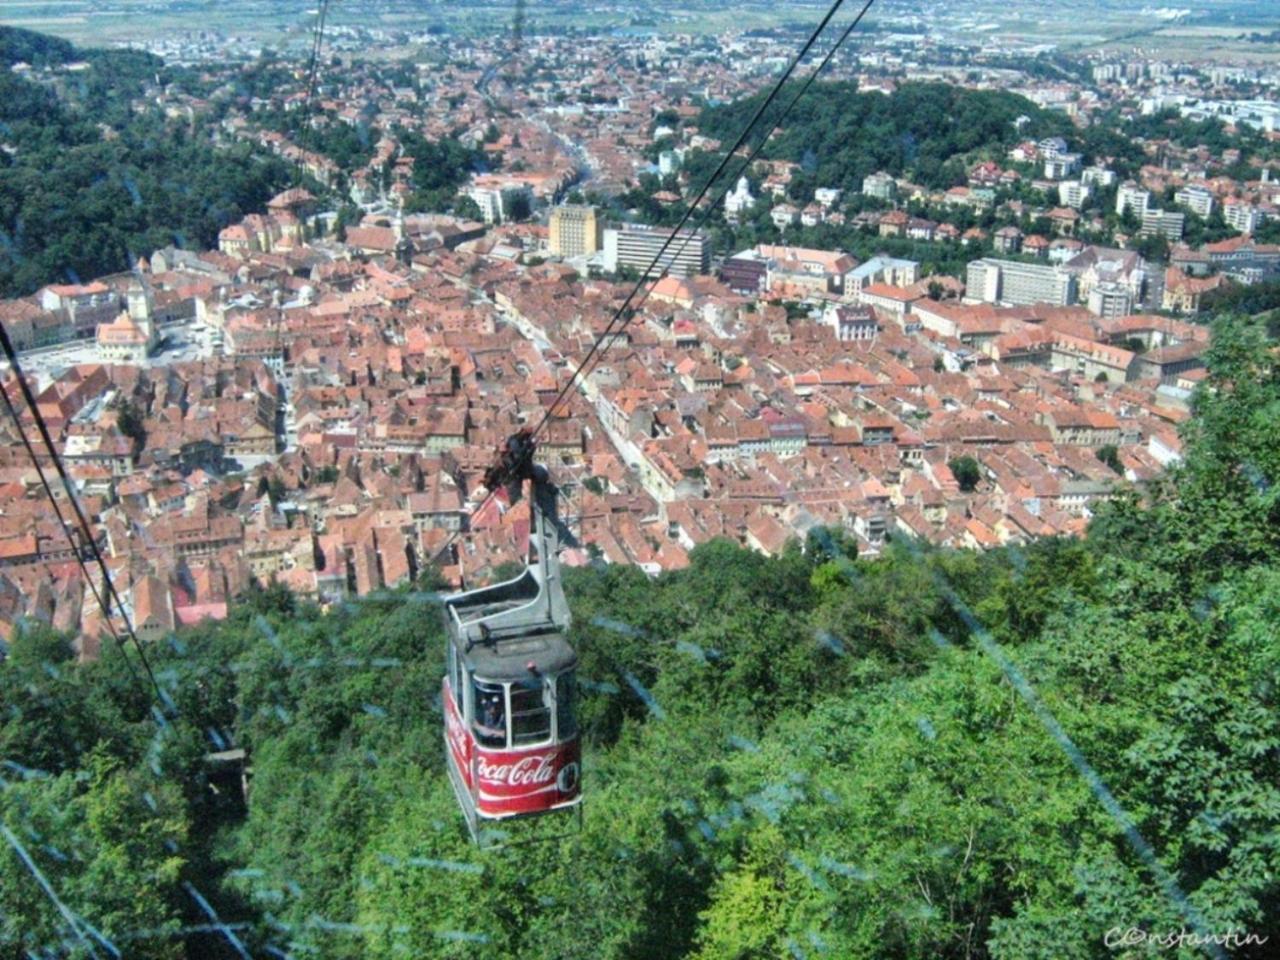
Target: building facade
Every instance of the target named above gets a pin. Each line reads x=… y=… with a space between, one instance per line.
x=1132 y=197
x=1162 y=223
x=637 y=247
x=575 y=231
x=880 y=185
x=1012 y=282
x=1196 y=199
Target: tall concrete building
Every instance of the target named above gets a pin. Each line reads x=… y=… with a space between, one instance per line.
x=502 y=204
x=1134 y=197
x=575 y=231
x=634 y=246
x=1162 y=223
x=1099 y=175
x=1073 y=193
x=1195 y=198
x=982 y=281
x=1110 y=300
x=1012 y=282
x=1241 y=216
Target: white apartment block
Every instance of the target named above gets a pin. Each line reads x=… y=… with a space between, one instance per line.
x=1244 y=217
x=1012 y=282
x=1134 y=197
x=1073 y=193
x=1195 y=198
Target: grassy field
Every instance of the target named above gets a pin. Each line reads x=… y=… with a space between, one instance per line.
x=1111 y=25
x=280 y=21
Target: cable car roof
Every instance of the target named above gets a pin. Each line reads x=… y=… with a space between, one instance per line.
x=508 y=660
x=502 y=628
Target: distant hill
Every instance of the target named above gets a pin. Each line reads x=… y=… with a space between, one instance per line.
x=38 y=49
x=77 y=202
x=925 y=131
x=41 y=50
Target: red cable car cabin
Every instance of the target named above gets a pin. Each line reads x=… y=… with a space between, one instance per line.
x=511 y=738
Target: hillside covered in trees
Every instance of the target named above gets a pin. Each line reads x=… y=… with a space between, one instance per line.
x=837 y=135
x=932 y=754
x=90 y=177
x=929 y=132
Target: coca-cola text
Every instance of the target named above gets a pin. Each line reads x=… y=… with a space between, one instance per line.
x=530 y=771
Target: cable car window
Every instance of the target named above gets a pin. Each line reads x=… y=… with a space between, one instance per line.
x=566 y=706
x=455 y=676
x=490 y=723
x=457 y=679
x=530 y=713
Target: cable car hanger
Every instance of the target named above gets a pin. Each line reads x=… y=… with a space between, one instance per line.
x=510 y=734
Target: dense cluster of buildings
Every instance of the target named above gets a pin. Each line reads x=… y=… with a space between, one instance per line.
x=343 y=387
x=335 y=436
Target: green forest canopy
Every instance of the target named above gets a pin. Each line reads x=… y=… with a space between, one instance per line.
x=814 y=755
x=929 y=132
x=92 y=183
x=37 y=49
x=77 y=201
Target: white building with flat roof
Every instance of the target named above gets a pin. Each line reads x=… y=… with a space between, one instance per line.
x=1133 y=197
x=1195 y=198
x=636 y=247
x=1015 y=283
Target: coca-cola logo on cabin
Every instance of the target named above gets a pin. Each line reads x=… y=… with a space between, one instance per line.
x=453 y=728
x=530 y=771
x=457 y=738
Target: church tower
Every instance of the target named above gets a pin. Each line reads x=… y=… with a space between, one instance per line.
x=404 y=246
x=140 y=305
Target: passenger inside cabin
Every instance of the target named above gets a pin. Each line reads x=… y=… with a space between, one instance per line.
x=491 y=726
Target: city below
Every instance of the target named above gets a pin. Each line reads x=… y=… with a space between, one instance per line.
x=972 y=340
x=612 y=481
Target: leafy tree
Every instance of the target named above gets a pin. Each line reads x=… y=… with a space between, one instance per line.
x=276 y=489
x=1108 y=455
x=467 y=209
x=916 y=130
x=77 y=205
x=110 y=852
x=348 y=215
x=130 y=422
x=966 y=471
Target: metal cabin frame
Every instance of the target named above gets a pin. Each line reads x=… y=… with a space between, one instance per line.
x=531 y=603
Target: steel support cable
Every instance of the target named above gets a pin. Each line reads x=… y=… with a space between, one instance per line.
x=600 y=344
x=313 y=68
x=66 y=529
x=746 y=164
x=82 y=522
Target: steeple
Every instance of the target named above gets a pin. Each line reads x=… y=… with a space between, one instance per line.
x=140 y=305
x=404 y=246
x=139 y=301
